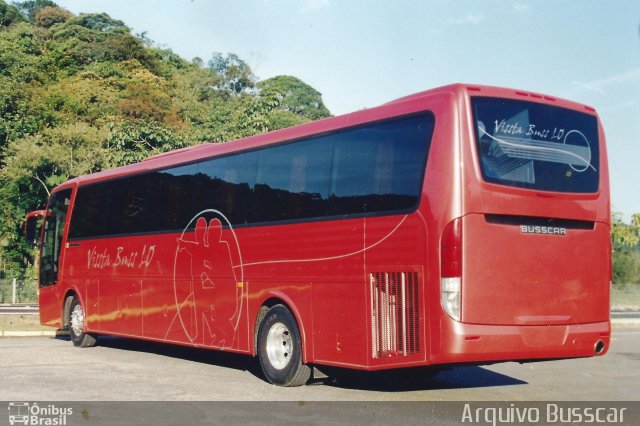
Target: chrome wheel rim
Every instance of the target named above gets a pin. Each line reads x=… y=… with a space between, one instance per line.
x=77 y=320
x=279 y=346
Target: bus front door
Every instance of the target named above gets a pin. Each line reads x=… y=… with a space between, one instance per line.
x=50 y=257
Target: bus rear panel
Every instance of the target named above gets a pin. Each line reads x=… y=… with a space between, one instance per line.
x=532 y=244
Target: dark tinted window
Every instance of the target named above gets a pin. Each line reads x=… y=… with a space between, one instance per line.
x=376 y=168
x=90 y=216
x=150 y=202
x=129 y=209
x=171 y=197
x=226 y=184
x=536 y=146
x=293 y=181
x=379 y=168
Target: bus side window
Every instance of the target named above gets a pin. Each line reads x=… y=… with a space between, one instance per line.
x=293 y=181
x=380 y=167
x=226 y=184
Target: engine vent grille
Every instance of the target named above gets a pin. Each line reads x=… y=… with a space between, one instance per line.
x=394 y=314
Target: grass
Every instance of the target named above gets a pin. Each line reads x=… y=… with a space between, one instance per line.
x=625 y=297
x=21 y=322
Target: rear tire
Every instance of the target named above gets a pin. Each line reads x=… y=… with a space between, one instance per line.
x=280 y=349
x=76 y=323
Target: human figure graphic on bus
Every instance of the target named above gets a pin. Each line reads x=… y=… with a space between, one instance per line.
x=214 y=295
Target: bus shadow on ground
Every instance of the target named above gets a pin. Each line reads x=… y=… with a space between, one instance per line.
x=418 y=379
x=200 y=355
x=409 y=379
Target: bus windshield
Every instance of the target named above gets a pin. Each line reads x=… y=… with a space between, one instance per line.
x=536 y=146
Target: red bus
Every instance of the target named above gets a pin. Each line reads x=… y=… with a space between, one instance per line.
x=464 y=224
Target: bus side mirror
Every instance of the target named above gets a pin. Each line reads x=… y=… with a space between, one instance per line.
x=31 y=227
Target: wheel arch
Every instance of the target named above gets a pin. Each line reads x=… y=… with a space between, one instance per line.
x=69 y=294
x=279 y=298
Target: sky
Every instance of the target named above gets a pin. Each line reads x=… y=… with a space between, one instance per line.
x=362 y=53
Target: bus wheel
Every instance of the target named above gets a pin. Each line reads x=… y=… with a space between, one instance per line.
x=76 y=326
x=280 y=349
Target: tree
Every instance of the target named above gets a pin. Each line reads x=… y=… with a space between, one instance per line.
x=30 y=8
x=296 y=96
x=9 y=14
x=235 y=75
x=625 y=267
x=131 y=141
x=49 y=16
x=93 y=38
x=100 y=22
x=625 y=239
x=625 y=235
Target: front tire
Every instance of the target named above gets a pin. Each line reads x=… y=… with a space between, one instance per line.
x=76 y=323
x=280 y=349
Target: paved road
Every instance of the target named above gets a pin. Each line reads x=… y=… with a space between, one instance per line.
x=51 y=369
x=126 y=370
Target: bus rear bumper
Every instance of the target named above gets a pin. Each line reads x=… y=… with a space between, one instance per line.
x=478 y=343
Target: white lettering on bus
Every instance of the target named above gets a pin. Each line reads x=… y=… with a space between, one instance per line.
x=515 y=128
x=547 y=230
x=98 y=260
x=122 y=259
x=557 y=134
x=542 y=134
x=508 y=128
x=125 y=260
x=147 y=256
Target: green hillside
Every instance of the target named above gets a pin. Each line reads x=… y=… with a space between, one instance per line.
x=79 y=94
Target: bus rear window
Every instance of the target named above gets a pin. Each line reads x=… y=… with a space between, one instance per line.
x=536 y=146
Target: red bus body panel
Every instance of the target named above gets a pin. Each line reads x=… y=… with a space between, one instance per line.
x=349 y=282
x=555 y=283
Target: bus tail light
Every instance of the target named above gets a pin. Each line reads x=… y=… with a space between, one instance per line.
x=450 y=289
x=451 y=269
